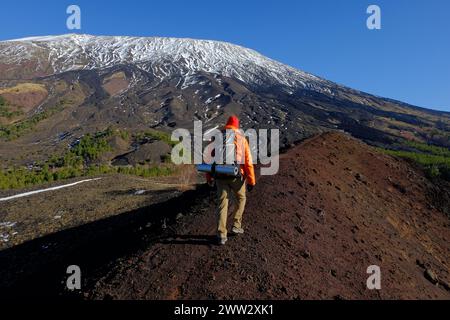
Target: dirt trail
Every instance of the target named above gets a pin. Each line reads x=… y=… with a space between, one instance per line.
x=336 y=207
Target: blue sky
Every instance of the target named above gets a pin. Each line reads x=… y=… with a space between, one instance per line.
x=408 y=59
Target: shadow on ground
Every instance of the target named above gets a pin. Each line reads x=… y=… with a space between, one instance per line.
x=38 y=268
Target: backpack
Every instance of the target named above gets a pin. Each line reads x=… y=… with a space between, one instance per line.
x=229 y=151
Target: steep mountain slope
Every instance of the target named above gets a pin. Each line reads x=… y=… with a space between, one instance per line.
x=66 y=86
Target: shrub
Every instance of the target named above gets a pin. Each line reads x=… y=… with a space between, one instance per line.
x=90 y=147
x=78 y=161
x=16 y=130
x=431 y=149
x=157 y=135
x=434 y=165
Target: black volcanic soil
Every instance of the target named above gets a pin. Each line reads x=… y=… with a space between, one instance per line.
x=336 y=207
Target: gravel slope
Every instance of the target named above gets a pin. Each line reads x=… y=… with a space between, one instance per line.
x=336 y=207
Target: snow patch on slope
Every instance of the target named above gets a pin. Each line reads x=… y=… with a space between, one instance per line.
x=163 y=57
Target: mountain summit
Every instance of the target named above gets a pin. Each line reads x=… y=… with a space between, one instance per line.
x=164 y=57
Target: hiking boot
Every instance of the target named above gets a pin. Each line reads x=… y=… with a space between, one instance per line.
x=222 y=241
x=236 y=230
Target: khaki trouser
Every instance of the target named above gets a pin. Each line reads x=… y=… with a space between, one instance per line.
x=226 y=187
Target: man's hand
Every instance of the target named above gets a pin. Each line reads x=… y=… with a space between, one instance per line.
x=250 y=188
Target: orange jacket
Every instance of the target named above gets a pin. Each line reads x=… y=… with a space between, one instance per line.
x=242 y=156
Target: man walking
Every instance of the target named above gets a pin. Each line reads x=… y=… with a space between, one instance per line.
x=226 y=186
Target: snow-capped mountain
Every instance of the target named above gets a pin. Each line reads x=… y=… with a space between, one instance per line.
x=65 y=86
x=164 y=57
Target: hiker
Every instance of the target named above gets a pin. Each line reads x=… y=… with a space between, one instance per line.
x=234 y=185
